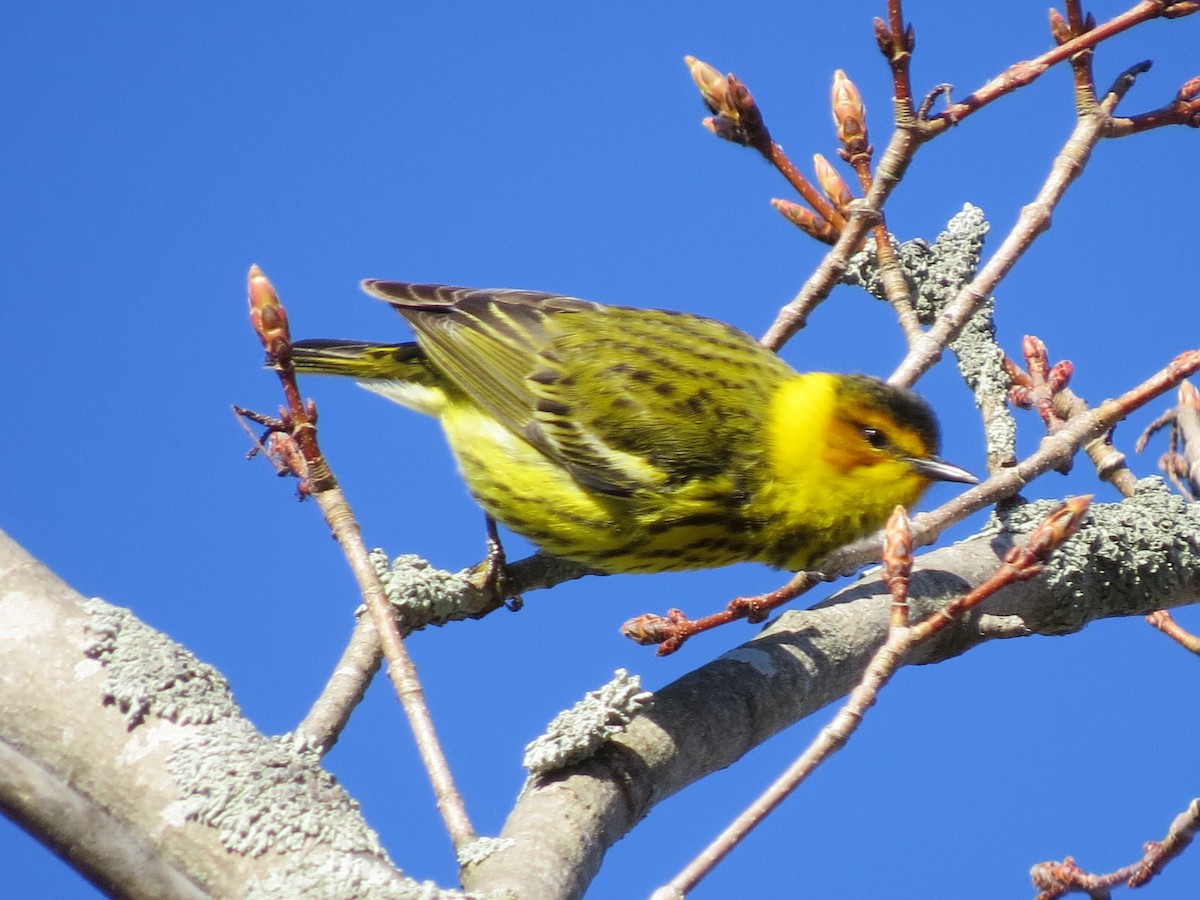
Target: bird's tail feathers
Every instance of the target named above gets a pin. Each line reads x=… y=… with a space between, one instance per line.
x=358 y=359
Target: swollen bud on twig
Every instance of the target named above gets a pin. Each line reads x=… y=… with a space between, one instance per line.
x=850 y=116
x=1054 y=531
x=1059 y=375
x=1059 y=29
x=713 y=86
x=736 y=116
x=1034 y=351
x=831 y=183
x=807 y=220
x=891 y=46
x=267 y=316
x=1065 y=29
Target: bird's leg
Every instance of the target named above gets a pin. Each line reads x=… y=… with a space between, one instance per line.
x=495 y=571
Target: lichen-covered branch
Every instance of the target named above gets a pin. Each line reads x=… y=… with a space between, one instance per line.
x=1129 y=558
x=168 y=781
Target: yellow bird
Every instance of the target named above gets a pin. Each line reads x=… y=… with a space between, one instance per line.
x=644 y=440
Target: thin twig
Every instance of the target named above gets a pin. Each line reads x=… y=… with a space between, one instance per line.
x=912 y=131
x=1184 y=109
x=270 y=323
x=1057 y=879
x=1020 y=564
x=1162 y=620
x=1023 y=73
x=1034 y=220
x=896 y=41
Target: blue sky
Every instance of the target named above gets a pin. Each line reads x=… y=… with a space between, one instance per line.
x=151 y=152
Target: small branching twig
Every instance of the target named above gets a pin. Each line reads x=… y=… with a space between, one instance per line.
x=1039 y=384
x=1184 y=109
x=896 y=41
x=1033 y=221
x=269 y=319
x=1162 y=620
x=1057 y=879
x=1023 y=73
x=736 y=118
x=671 y=631
x=1045 y=388
x=1181 y=462
x=1020 y=564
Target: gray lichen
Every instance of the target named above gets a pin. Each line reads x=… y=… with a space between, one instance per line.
x=265 y=794
x=578 y=732
x=421 y=591
x=481 y=848
x=148 y=674
x=261 y=795
x=1134 y=553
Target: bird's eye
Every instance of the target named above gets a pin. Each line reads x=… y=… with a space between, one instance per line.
x=875 y=438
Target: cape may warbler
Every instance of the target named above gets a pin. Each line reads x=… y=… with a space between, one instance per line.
x=642 y=440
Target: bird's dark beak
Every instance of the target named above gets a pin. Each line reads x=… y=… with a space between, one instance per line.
x=939 y=470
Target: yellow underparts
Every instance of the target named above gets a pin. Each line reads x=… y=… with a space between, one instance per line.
x=807 y=485
x=644 y=531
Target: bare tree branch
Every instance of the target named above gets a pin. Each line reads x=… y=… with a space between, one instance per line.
x=166 y=766
x=1129 y=558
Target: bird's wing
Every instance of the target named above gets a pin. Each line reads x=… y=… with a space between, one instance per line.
x=621 y=398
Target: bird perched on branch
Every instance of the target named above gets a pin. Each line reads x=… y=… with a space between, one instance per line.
x=643 y=440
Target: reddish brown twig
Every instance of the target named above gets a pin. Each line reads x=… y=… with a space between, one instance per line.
x=1023 y=73
x=897 y=41
x=914 y=127
x=1161 y=619
x=1035 y=219
x=1057 y=879
x=671 y=631
x=1046 y=388
x=736 y=118
x=1181 y=462
x=269 y=320
x=1183 y=109
x=898 y=563
x=1020 y=563
x=1039 y=384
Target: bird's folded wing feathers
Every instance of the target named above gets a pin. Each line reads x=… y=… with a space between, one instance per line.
x=575 y=386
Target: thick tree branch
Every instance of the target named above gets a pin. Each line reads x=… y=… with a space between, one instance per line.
x=166 y=766
x=1129 y=559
